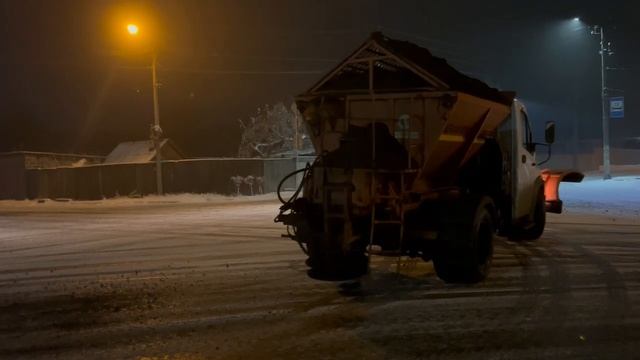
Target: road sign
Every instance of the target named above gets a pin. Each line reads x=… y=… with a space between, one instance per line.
x=616 y=107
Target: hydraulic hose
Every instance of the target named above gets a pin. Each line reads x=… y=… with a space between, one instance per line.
x=297 y=192
x=288 y=203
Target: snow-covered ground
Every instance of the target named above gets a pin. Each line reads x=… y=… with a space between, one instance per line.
x=211 y=278
x=618 y=198
x=126 y=202
x=615 y=198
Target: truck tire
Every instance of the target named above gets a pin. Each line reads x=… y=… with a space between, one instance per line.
x=465 y=246
x=534 y=230
x=328 y=261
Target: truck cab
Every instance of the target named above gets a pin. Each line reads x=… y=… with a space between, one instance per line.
x=534 y=190
x=526 y=184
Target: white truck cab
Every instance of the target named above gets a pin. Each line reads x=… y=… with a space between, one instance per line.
x=533 y=191
x=522 y=178
x=526 y=175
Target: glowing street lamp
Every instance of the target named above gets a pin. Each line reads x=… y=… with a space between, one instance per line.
x=156 y=130
x=132 y=29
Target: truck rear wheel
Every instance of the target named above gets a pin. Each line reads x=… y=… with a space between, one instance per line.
x=465 y=244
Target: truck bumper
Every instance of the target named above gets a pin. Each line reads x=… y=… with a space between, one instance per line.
x=552 y=180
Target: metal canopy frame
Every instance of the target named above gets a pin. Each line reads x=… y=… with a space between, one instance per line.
x=365 y=59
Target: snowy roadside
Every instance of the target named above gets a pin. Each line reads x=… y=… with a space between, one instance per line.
x=126 y=202
x=615 y=200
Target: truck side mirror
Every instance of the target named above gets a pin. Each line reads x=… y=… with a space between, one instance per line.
x=550 y=132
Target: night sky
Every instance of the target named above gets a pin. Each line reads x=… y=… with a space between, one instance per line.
x=70 y=82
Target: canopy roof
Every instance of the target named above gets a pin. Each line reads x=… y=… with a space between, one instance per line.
x=383 y=65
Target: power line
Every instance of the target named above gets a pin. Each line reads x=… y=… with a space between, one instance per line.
x=171 y=69
x=229 y=72
x=436 y=48
x=276 y=58
x=250 y=57
x=245 y=72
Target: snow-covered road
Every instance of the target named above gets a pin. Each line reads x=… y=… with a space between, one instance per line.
x=214 y=279
x=617 y=197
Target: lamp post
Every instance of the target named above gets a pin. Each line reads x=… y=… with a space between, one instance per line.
x=156 y=130
x=606 y=153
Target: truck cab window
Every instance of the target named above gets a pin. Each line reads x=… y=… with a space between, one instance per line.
x=527 y=137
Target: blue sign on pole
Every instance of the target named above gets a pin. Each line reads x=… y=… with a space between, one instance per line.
x=616 y=107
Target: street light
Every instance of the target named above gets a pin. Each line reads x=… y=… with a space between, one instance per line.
x=132 y=29
x=605 y=49
x=156 y=130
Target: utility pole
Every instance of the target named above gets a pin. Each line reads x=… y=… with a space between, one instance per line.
x=576 y=135
x=295 y=135
x=155 y=134
x=156 y=130
x=296 y=143
x=606 y=155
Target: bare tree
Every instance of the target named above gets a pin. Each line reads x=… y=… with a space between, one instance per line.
x=272 y=131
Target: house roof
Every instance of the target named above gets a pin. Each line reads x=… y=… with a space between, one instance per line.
x=137 y=151
x=382 y=64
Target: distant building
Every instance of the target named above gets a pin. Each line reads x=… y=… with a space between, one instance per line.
x=135 y=152
x=129 y=170
x=14 y=166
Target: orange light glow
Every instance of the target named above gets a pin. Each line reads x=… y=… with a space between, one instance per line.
x=132 y=29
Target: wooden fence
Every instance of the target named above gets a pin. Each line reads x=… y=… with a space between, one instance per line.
x=181 y=176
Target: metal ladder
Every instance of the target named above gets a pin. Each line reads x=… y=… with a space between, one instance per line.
x=401 y=197
x=376 y=197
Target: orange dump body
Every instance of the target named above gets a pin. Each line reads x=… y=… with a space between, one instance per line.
x=439 y=131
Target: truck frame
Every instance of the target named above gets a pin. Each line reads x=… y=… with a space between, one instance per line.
x=415 y=159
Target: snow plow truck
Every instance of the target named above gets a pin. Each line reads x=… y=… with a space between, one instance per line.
x=415 y=159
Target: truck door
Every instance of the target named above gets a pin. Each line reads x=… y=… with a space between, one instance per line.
x=524 y=167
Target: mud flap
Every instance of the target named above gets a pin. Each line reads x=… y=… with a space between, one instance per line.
x=552 y=180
